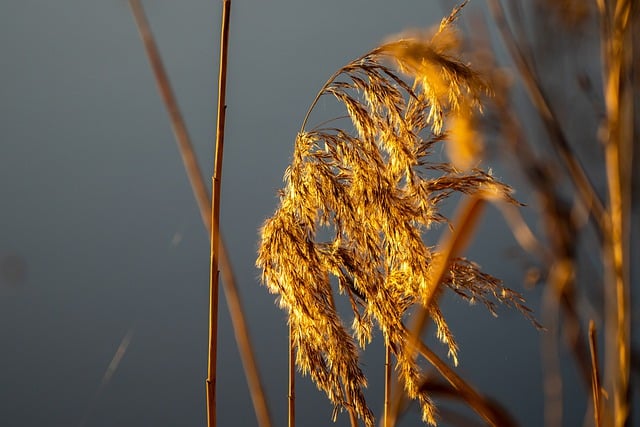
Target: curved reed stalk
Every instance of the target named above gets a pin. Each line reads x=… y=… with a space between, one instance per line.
x=374 y=187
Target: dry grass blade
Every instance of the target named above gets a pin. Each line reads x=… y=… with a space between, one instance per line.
x=617 y=18
x=199 y=189
x=106 y=378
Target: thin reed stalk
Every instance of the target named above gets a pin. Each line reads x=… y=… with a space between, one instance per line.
x=215 y=218
x=617 y=18
x=387 y=384
x=291 y=398
x=595 y=375
x=205 y=206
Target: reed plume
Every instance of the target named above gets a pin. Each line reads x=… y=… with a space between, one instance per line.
x=375 y=188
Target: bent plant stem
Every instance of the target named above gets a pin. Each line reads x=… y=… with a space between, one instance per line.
x=199 y=191
x=451 y=245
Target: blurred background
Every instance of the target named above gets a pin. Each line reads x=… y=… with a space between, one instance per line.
x=103 y=257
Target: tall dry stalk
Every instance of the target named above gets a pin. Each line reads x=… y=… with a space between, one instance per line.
x=374 y=187
x=291 y=397
x=215 y=218
x=236 y=313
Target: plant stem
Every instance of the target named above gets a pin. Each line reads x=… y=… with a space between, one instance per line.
x=292 y=381
x=215 y=218
x=617 y=18
x=199 y=189
x=387 y=383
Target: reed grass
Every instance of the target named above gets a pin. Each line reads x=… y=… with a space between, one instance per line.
x=209 y=212
x=214 y=231
x=377 y=188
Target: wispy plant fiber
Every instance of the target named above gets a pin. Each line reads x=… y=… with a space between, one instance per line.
x=375 y=189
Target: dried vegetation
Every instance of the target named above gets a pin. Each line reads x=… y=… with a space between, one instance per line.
x=357 y=204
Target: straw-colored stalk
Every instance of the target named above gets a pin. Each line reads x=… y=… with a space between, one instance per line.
x=199 y=189
x=387 y=384
x=595 y=375
x=616 y=19
x=291 y=398
x=215 y=218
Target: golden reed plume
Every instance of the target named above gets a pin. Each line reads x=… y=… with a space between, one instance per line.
x=373 y=189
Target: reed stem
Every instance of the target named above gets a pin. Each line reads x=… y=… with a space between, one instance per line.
x=387 y=383
x=215 y=217
x=595 y=375
x=207 y=214
x=292 y=382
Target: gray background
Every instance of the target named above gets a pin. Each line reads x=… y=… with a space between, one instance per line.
x=100 y=236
